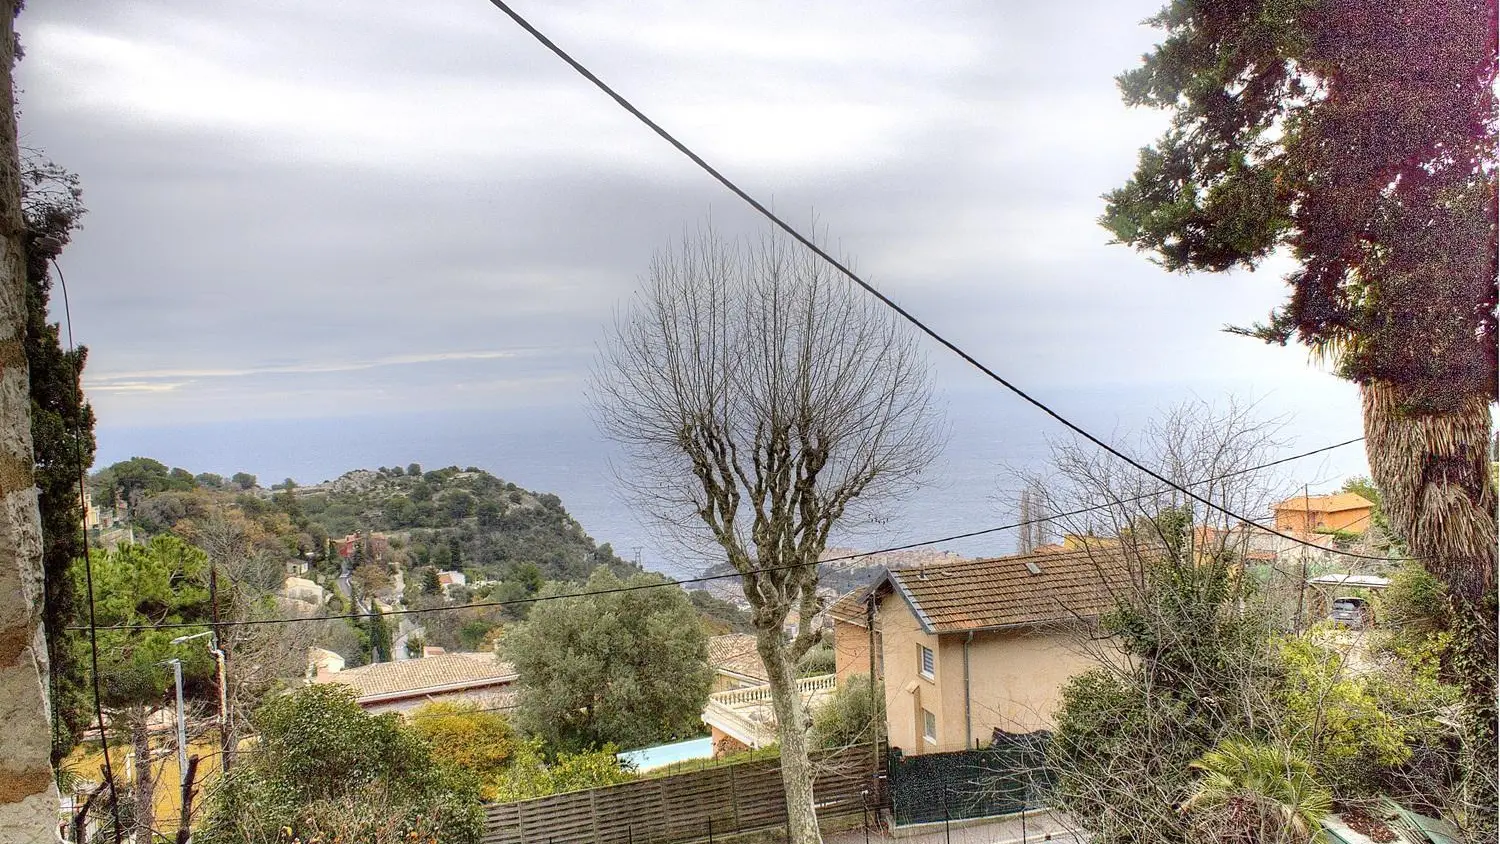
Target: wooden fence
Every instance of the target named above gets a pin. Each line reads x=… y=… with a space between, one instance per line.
x=682 y=807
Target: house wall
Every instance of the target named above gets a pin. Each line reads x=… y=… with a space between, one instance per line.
x=1356 y=520
x=851 y=650
x=1015 y=681
x=907 y=692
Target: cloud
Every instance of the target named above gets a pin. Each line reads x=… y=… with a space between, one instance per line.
x=132 y=379
x=323 y=209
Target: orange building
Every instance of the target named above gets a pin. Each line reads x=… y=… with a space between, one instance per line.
x=1345 y=511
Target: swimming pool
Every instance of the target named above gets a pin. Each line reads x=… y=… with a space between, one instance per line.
x=649 y=758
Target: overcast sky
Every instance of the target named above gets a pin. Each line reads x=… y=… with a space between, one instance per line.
x=330 y=209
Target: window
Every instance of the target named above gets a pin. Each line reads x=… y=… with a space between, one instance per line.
x=929 y=725
x=927 y=663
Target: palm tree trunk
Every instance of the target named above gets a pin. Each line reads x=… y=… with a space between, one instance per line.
x=791 y=732
x=28 y=795
x=1433 y=473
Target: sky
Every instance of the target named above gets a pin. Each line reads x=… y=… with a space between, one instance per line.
x=340 y=213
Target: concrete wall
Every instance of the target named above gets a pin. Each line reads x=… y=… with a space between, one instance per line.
x=1015 y=681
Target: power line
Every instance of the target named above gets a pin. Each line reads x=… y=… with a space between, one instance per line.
x=866 y=286
x=88 y=568
x=707 y=578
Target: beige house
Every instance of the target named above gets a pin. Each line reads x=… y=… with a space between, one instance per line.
x=966 y=648
x=479 y=679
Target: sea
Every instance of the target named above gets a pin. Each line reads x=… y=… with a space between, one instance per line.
x=556 y=448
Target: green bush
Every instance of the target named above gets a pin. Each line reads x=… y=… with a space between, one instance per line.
x=852 y=717
x=817 y=661
x=530 y=775
x=323 y=768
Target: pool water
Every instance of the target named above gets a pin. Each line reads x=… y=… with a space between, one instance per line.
x=649 y=758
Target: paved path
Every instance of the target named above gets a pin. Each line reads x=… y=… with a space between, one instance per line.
x=1036 y=827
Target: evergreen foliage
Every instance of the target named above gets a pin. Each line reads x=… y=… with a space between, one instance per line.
x=326 y=770
x=628 y=668
x=852 y=717
x=62 y=434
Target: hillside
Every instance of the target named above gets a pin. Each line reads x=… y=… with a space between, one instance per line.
x=449 y=518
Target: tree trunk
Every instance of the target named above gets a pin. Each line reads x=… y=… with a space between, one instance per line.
x=145 y=786
x=28 y=793
x=791 y=732
x=1433 y=473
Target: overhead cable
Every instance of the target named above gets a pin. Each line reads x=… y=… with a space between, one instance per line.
x=866 y=286
x=685 y=582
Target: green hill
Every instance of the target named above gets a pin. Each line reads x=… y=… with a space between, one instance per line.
x=449 y=518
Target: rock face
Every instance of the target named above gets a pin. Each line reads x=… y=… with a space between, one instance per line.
x=28 y=796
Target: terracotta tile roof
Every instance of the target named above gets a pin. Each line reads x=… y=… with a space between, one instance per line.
x=1004 y=591
x=415 y=677
x=850 y=607
x=735 y=653
x=1327 y=503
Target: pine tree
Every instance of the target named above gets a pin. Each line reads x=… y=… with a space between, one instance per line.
x=62 y=432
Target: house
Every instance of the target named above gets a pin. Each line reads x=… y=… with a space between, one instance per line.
x=297 y=568
x=1346 y=511
x=449 y=579
x=735 y=662
x=967 y=648
x=101 y=518
x=375 y=545
x=303 y=590
x=743 y=719
x=480 y=679
x=738 y=713
x=321 y=662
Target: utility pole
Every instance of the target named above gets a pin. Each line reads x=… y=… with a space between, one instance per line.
x=875 y=705
x=1302 y=554
x=226 y=739
x=28 y=802
x=213 y=648
x=181 y=723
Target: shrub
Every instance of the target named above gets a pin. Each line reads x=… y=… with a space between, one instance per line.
x=818 y=660
x=465 y=737
x=323 y=767
x=530 y=775
x=852 y=717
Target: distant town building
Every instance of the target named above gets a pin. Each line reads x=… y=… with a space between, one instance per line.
x=303 y=590
x=1346 y=511
x=375 y=545
x=452 y=578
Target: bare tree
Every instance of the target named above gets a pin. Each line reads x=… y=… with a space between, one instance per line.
x=1190 y=660
x=763 y=402
x=1129 y=729
x=258 y=657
